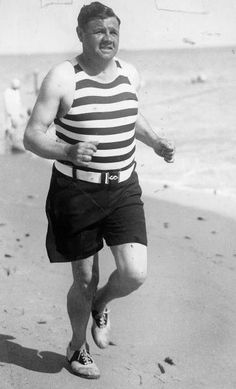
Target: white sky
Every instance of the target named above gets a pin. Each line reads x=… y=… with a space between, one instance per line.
x=26 y=27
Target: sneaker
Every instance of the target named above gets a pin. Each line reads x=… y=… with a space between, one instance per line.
x=82 y=364
x=101 y=328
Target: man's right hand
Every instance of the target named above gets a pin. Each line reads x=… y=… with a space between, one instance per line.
x=81 y=153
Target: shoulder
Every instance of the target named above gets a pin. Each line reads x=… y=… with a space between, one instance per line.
x=59 y=79
x=131 y=72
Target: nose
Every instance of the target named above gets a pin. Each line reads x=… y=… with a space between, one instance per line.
x=107 y=36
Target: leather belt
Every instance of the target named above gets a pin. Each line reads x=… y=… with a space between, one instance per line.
x=108 y=177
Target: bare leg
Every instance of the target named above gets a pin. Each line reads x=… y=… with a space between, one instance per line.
x=80 y=297
x=131 y=262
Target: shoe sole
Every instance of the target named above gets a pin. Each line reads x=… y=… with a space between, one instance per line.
x=88 y=377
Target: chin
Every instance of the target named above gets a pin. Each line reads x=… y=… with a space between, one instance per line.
x=107 y=56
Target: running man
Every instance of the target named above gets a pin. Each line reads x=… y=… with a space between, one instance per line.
x=94 y=195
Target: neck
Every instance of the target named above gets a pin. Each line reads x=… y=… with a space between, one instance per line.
x=95 y=66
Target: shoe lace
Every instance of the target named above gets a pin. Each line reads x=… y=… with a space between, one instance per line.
x=85 y=357
x=101 y=319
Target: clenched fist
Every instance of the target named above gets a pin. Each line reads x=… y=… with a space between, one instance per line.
x=81 y=153
x=165 y=148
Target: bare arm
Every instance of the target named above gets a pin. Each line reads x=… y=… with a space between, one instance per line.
x=43 y=115
x=144 y=133
x=162 y=146
x=55 y=97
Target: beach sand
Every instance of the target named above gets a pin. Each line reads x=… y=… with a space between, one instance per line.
x=177 y=331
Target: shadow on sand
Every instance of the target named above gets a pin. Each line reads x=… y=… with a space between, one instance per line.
x=28 y=358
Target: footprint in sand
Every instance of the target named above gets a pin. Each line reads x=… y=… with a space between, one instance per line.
x=169 y=361
x=7 y=255
x=30 y=196
x=168 y=372
x=162 y=370
x=8 y=271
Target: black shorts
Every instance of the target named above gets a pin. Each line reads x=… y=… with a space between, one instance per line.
x=81 y=215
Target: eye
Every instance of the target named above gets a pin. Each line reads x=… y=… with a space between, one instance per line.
x=98 y=32
x=114 y=32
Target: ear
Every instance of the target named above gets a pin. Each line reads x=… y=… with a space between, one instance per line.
x=79 y=33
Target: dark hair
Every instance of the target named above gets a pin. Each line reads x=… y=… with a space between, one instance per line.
x=95 y=10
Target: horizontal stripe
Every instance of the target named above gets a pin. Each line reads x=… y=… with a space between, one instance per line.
x=87 y=100
x=101 y=123
x=88 y=83
x=113 y=158
x=114 y=145
x=112 y=165
x=102 y=115
x=95 y=131
x=97 y=167
x=109 y=107
x=61 y=138
x=101 y=138
x=110 y=152
x=105 y=92
x=90 y=169
x=102 y=146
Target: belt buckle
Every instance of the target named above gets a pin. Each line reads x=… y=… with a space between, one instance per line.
x=112 y=177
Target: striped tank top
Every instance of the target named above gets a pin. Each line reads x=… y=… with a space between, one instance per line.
x=103 y=112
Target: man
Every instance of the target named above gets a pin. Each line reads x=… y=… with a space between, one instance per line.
x=94 y=193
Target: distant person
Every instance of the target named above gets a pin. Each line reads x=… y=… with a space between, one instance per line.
x=36 y=81
x=94 y=193
x=15 y=115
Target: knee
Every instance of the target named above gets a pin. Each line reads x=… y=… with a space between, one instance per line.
x=131 y=261
x=133 y=280
x=86 y=284
x=138 y=279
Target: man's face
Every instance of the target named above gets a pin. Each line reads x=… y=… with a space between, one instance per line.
x=101 y=38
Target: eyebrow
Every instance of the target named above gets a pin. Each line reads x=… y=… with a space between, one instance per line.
x=101 y=28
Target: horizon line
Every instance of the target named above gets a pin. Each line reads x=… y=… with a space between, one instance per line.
x=161 y=48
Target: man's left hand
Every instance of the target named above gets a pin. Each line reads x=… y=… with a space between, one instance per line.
x=165 y=149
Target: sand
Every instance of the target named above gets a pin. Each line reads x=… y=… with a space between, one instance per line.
x=177 y=331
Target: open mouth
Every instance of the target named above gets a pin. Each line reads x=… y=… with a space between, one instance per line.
x=106 y=48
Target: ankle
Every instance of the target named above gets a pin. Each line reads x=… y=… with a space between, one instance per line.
x=77 y=345
x=99 y=308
